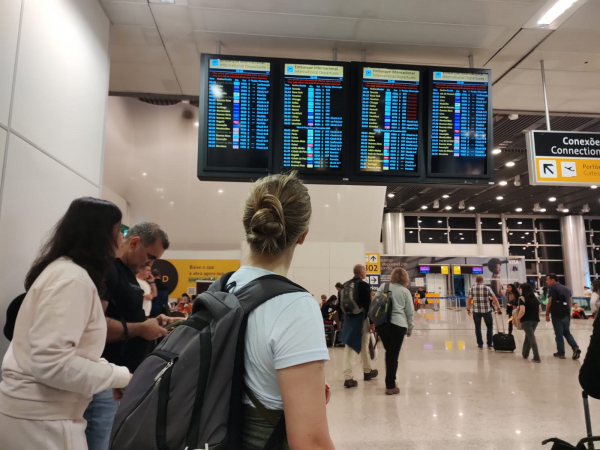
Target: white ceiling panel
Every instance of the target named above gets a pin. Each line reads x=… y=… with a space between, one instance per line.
x=555 y=78
x=270 y=24
x=433 y=34
x=585 y=18
x=128 y=13
x=576 y=62
x=135 y=36
x=572 y=41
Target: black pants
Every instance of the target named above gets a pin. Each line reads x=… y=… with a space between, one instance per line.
x=392 y=337
x=509 y=312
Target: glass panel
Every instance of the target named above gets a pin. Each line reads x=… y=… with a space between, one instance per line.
x=410 y=222
x=463 y=222
x=434 y=236
x=527 y=251
x=547 y=267
x=530 y=268
x=433 y=222
x=548 y=238
x=547 y=224
x=463 y=237
x=596 y=238
x=588 y=238
x=550 y=253
x=597 y=267
x=587 y=224
x=592 y=269
x=596 y=252
x=520 y=237
x=519 y=224
x=491 y=237
x=411 y=236
x=595 y=225
x=491 y=223
x=590 y=251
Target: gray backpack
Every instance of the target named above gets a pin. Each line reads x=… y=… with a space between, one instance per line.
x=188 y=393
x=349 y=297
x=380 y=309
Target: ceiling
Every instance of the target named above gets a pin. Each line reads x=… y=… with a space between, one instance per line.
x=508 y=136
x=155 y=46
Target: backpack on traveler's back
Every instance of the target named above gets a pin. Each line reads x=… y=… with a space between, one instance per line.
x=188 y=393
x=380 y=309
x=560 y=307
x=349 y=297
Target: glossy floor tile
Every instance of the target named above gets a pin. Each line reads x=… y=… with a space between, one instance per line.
x=454 y=395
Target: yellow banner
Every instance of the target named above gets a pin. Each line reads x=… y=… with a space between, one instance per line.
x=568 y=170
x=191 y=270
x=310 y=70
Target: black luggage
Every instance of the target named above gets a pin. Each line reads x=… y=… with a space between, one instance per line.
x=330 y=335
x=503 y=342
x=559 y=444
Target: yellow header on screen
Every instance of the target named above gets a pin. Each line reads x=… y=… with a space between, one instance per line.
x=240 y=65
x=460 y=76
x=390 y=74
x=310 y=70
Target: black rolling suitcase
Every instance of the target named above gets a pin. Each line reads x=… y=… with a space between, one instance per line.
x=330 y=335
x=559 y=444
x=503 y=342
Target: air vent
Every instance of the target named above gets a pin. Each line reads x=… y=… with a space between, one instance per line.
x=159 y=101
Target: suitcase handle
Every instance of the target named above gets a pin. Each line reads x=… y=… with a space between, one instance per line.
x=495 y=313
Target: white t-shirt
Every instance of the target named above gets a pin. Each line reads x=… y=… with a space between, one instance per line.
x=286 y=331
x=147 y=305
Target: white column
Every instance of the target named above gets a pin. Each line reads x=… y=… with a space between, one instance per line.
x=393 y=234
x=575 y=257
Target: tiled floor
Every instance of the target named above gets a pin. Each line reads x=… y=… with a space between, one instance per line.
x=455 y=396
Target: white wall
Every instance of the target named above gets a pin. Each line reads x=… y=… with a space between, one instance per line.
x=112 y=196
x=54 y=70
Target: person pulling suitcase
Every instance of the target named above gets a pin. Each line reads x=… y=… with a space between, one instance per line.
x=479 y=296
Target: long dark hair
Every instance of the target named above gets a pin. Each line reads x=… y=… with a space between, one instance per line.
x=514 y=290
x=85 y=235
x=527 y=290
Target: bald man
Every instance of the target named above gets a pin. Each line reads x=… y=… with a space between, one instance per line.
x=357 y=327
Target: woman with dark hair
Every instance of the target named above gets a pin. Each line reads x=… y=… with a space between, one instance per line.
x=528 y=315
x=512 y=302
x=53 y=366
x=331 y=311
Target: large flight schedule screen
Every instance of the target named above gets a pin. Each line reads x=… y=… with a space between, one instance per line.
x=459 y=123
x=239 y=111
x=313 y=109
x=389 y=120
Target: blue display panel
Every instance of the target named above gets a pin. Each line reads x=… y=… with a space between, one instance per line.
x=238 y=114
x=313 y=110
x=424 y=269
x=389 y=120
x=459 y=123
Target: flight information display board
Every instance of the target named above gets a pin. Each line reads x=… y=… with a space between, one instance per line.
x=313 y=112
x=460 y=123
x=389 y=120
x=239 y=111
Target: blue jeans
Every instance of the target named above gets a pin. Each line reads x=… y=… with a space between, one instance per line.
x=561 y=329
x=489 y=323
x=100 y=415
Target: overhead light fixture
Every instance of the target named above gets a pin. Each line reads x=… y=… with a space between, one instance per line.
x=552 y=199
x=445 y=196
x=462 y=239
x=492 y=239
x=326 y=206
x=496 y=151
x=448 y=208
x=220 y=191
x=553 y=14
x=391 y=195
x=519 y=223
x=196 y=124
x=461 y=204
x=144 y=174
x=499 y=198
x=439 y=221
x=555 y=11
x=471 y=208
x=410 y=232
x=168 y=1
x=431 y=239
x=503 y=183
x=510 y=164
x=499 y=223
x=543 y=210
x=424 y=207
x=594 y=186
x=518 y=209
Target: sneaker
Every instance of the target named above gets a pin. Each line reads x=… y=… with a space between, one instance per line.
x=480 y=347
x=536 y=360
x=558 y=355
x=490 y=347
x=371 y=375
x=576 y=354
x=394 y=391
x=350 y=383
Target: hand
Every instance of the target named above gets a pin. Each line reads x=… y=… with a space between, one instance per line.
x=547 y=318
x=327 y=394
x=151 y=330
x=499 y=312
x=469 y=312
x=117 y=394
x=372 y=328
x=408 y=335
x=163 y=320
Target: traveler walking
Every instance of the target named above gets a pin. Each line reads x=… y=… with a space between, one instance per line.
x=479 y=297
x=512 y=301
x=52 y=366
x=130 y=335
x=355 y=298
x=560 y=301
x=527 y=315
x=401 y=324
x=595 y=299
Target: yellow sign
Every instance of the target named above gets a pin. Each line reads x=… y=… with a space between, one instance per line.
x=445 y=270
x=191 y=270
x=457 y=270
x=568 y=170
x=373 y=263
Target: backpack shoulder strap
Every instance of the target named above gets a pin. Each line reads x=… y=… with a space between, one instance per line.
x=263 y=289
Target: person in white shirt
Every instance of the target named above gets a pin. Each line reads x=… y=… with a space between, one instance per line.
x=285 y=350
x=146 y=281
x=595 y=300
x=53 y=366
x=587 y=292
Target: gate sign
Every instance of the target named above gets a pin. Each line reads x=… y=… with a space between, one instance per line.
x=373 y=263
x=563 y=158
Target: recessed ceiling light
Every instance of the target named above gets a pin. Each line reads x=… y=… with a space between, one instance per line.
x=459 y=435
x=445 y=196
x=471 y=208
x=519 y=223
x=566 y=210
x=435 y=415
x=543 y=210
x=552 y=199
x=511 y=233
x=431 y=239
x=448 y=208
x=326 y=206
x=493 y=239
x=460 y=414
x=526 y=234
x=510 y=164
x=499 y=223
x=496 y=151
x=503 y=183
x=518 y=209
x=391 y=195
x=419 y=221
x=460 y=234
x=522 y=237
x=424 y=207
x=594 y=187
x=499 y=198
x=555 y=11
x=144 y=174
x=410 y=232
x=220 y=191
x=196 y=124
x=462 y=239
x=439 y=221
x=172 y=203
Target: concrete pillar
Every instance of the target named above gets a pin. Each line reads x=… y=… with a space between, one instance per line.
x=575 y=257
x=393 y=234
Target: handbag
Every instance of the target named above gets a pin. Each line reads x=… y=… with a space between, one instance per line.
x=373 y=346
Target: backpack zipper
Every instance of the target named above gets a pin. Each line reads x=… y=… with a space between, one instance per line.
x=158 y=377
